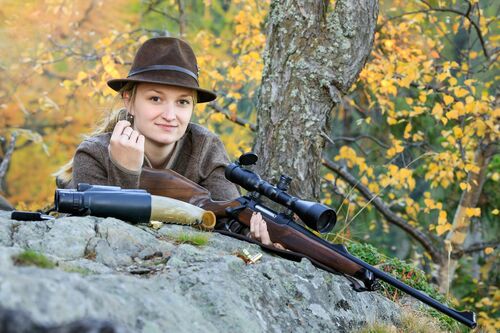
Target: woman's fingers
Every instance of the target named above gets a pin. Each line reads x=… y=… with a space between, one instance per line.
x=126 y=146
x=253 y=221
x=118 y=130
x=264 y=234
x=134 y=136
x=258 y=222
x=258 y=229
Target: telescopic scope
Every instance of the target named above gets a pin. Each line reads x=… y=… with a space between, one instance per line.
x=315 y=215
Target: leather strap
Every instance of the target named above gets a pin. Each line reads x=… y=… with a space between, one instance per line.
x=163 y=68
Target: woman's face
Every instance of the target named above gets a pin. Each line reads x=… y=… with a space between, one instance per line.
x=161 y=112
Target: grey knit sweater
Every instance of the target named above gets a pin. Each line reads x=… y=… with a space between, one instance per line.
x=199 y=156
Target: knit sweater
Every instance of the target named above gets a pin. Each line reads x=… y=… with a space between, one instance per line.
x=199 y=156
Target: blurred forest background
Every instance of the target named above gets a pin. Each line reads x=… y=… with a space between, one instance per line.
x=412 y=160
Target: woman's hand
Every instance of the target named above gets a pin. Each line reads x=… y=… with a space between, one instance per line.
x=258 y=231
x=126 y=146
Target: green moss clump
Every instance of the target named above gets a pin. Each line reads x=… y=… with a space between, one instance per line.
x=79 y=270
x=406 y=273
x=193 y=238
x=365 y=252
x=33 y=258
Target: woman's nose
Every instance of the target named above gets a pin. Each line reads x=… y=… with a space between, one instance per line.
x=169 y=112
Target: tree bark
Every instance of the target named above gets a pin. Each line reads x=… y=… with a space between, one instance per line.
x=313 y=55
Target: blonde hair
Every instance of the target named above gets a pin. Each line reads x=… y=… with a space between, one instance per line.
x=65 y=173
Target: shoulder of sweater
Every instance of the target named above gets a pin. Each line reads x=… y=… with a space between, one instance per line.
x=100 y=139
x=198 y=130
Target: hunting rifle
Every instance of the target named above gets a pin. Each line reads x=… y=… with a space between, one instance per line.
x=282 y=227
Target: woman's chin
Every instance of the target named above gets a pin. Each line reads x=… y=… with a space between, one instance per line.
x=164 y=141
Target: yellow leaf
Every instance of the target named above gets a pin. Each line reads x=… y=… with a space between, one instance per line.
x=461 y=92
x=329 y=176
x=457 y=131
x=464 y=186
x=453 y=114
x=442 y=217
x=448 y=99
x=81 y=76
x=422 y=98
x=489 y=250
x=437 y=111
x=470 y=212
x=469 y=82
x=443 y=76
x=407 y=131
x=391 y=121
x=495 y=211
x=441 y=229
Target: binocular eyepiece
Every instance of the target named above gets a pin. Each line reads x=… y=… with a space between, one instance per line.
x=315 y=215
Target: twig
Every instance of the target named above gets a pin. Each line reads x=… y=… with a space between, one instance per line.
x=390 y=216
x=234 y=119
x=466 y=15
x=474 y=248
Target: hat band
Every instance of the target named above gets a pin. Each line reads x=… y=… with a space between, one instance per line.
x=162 y=68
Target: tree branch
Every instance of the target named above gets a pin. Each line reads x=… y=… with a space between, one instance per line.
x=474 y=248
x=234 y=119
x=354 y=139
x=4 y=166
x=465 y=15
x=390 y=216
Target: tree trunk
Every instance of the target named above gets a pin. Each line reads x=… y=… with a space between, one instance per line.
x=312 y=55
x=461 y=221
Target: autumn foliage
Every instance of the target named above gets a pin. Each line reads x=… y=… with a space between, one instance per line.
x=419 y=130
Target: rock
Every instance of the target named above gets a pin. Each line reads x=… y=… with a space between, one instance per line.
x=20 y=322
x=139 y=280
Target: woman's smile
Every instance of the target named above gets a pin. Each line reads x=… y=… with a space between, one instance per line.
x=167 y=127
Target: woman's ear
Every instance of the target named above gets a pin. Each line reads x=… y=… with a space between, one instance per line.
x=126 y=102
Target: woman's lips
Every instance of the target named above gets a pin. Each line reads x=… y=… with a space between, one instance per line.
x=167 y=127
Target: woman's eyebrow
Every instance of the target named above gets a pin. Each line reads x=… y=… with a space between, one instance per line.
x=156 y=91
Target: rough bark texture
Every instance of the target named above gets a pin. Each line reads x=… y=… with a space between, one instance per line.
x=313 y=54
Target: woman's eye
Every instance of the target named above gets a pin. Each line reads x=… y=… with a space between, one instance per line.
x=184 y=102
x=155 y=98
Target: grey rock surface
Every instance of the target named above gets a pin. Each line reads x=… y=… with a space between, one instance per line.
x=141 y=280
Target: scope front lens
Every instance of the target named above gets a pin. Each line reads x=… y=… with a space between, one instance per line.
x=326 y=221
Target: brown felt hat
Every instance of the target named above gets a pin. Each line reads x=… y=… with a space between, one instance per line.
x=165 y=60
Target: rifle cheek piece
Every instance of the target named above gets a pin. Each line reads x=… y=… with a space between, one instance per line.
x=315 y=215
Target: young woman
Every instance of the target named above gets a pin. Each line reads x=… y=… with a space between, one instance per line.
x=153 y=129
